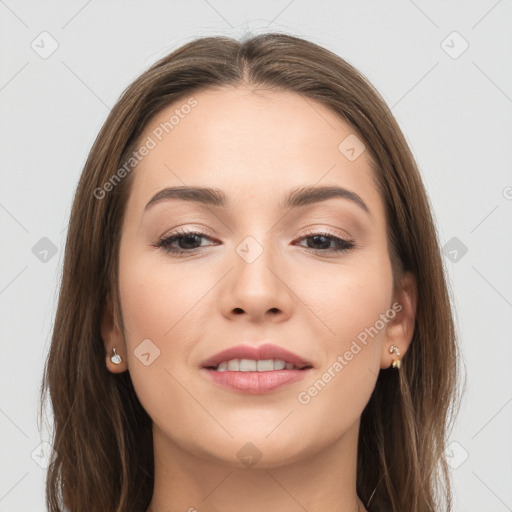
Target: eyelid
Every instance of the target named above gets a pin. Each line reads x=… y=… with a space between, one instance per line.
x=188 y=228
x=207 y=233
x=328 y=231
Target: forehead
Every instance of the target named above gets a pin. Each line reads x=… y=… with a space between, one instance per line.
x=249 y=141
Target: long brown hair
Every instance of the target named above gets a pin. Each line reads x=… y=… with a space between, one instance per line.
x=103 y=459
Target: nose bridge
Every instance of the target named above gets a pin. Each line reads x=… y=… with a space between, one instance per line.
x=255 y=255
x=256 y=285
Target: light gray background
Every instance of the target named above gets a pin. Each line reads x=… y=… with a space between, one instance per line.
x=455 y=112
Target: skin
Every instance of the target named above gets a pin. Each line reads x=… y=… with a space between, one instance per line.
x=255 y=145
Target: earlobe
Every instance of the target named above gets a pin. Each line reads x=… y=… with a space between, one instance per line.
x=113 y=340
x=400 y=330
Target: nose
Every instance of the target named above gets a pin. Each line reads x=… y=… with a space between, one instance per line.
x=258 y=287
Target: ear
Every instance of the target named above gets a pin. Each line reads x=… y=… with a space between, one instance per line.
x=112 y=338
x=400 y=329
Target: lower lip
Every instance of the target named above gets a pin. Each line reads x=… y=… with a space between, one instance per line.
x=255 y=383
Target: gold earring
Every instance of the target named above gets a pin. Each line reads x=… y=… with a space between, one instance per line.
x=115 y=358
x=395 y=349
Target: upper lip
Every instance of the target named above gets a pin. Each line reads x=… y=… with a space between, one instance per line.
x=261 y=352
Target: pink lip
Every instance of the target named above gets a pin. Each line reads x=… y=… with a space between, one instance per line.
x=267 y=351
x=255 y=383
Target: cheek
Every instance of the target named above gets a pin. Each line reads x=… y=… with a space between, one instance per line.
x=346 y=299
x=158 y=299
x=165 y=308
x=352 y=306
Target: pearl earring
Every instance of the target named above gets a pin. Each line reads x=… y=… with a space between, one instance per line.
x=115 y=358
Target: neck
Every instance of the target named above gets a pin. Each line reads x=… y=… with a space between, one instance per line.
x=196 y=482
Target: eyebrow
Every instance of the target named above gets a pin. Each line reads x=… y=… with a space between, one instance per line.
x=301 y=196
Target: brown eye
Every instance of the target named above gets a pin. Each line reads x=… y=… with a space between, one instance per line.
x=186 y=242
x=326 y=242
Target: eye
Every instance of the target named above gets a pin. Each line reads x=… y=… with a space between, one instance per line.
x=187 y=241
x=327 y=242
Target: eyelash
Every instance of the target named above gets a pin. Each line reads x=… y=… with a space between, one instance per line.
x=165 y=242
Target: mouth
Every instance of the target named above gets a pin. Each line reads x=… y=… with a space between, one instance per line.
x=255 y=370
x=252 y=365
x=248 y=358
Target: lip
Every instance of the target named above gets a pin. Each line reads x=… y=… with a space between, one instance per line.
x=267 y=351
x=255 y=383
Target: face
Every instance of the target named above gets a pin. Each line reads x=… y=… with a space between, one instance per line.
x=312 y=277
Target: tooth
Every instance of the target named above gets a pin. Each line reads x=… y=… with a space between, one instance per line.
x=247 y=365
x=250 y=365
x=279 y=364
x=265 y=365
x=234 y=365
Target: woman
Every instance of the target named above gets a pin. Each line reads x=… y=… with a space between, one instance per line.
x=253 y=311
